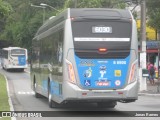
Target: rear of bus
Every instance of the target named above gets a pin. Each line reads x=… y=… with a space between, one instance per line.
x=17 y=59
x=101 y=60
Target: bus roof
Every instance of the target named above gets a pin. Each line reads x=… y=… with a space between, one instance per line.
x=10 y=48
x=94 y=13
x=100 y=13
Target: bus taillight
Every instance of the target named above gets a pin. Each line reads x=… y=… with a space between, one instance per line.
x=132 y=72
x=71 y=72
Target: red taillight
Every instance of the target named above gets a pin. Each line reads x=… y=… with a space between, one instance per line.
x=120 y=93
x=84 y=94
x=102 y=49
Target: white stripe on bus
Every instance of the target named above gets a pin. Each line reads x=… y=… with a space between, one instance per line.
x=102 y=39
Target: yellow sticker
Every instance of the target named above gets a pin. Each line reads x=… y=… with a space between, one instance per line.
x=117 y=73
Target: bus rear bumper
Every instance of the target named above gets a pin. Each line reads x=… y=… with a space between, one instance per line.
x=73 y=93
x=16 y=66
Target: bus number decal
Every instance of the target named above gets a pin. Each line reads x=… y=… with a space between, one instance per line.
x=120 y=62
x=101 y=29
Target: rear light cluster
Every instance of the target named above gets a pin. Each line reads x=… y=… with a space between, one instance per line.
x=132 y=76
x=71 y=73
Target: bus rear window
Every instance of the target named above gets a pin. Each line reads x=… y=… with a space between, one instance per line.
x=17 y=52
x=91 y=34
x=101 y=29
x=95 y=34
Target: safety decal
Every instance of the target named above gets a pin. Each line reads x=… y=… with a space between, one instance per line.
x=87 y=83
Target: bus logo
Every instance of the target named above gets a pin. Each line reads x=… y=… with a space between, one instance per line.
x=87 y=63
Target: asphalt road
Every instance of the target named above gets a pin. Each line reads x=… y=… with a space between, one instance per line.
x=23 y=99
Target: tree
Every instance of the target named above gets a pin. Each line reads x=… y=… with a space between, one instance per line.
x=95 y=3
x=5 y=9
x=153 y=13
x=23 y=22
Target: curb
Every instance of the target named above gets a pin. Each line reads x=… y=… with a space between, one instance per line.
x=148 y=94
x=9 y=98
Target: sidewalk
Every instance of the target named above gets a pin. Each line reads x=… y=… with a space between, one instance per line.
x=152 y=90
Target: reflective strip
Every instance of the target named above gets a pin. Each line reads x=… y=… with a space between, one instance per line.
x=102 y=39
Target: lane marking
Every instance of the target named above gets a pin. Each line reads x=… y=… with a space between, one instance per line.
x=25 y=93
x=9 y=98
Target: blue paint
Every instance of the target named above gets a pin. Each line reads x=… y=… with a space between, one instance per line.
x=45 y=85
x=55 y=88
x=22 y=60
x=102 y=73
x=53 y=85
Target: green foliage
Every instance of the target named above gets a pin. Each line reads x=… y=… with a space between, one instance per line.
x=153 y=12
x=5 y=9
x=95 y=4
x=24 y=20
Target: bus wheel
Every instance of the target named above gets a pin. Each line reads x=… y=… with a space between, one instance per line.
x=37 y=95
x=50 y=102
x=107 y=104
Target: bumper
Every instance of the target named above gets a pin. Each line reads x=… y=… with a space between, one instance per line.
x=16 y=67
x=72 y=92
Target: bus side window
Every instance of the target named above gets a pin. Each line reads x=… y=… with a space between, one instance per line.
x=60 y=48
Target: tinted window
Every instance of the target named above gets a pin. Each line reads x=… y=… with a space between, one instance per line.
x=90 y=35
x=17 y=52
x=119 y=29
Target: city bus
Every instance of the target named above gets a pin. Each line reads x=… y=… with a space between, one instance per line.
x=14 y=58
x=86 y=55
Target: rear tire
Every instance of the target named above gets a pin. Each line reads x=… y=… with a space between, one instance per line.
x=107 y=104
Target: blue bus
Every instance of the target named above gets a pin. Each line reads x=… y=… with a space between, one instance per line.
x=86 y=55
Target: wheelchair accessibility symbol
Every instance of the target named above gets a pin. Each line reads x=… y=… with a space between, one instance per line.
x=87 y=83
